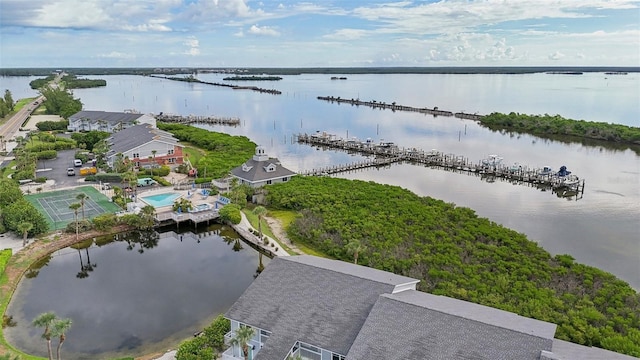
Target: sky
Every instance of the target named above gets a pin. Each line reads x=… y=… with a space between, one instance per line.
x=318 y=33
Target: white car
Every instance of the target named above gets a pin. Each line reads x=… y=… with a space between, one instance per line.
x=77 y=162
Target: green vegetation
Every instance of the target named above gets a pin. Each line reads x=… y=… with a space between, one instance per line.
x=208 y=344
x=87 y=140
x=40 y=83
x=458 y=254
x=52 y=125
x=72 y=82
x=15 y=210
x=253 y=78
x=557 y=125
x=60 y=102
x=224 y=152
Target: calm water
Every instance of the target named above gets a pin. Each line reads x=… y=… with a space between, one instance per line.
x=601 y=229
x=134 y=295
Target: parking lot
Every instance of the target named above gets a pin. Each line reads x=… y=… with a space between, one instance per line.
x=56 y=169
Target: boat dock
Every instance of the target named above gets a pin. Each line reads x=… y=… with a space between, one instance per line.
x=387 y=153
x=335 y=169
x=194 y=119
x=395 y=107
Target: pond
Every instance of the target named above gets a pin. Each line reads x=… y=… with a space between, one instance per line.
x=134 y=293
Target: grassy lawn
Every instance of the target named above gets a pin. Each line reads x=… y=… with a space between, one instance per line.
x=194 y=153
x=285 y=217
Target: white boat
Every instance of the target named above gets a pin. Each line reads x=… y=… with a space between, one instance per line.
x=547 y=170
x=492 y=160
x=569 y=182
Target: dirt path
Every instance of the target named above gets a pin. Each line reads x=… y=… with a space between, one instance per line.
x=281 y=234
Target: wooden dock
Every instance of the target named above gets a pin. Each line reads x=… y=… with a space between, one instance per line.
x=387 y=153
x=194 y=119
x=335 y=169
x=396 y=107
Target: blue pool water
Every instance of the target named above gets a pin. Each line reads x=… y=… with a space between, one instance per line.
x=161 y=200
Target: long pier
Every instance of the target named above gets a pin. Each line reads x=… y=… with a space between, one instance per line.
x=335 y=169
x=387 y=153
x=194 y=119
x=396 y=107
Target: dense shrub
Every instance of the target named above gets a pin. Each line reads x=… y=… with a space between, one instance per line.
x=83 y=226
x=163 y=170
x=22 y=210
x=231 y=213
x=104 y=221
x=109 y=177
x=40 y=180
x=458 y=254
x=206 y=345
x=46 y=155
x=162 y=181
x=52 y=125
x=203 y=180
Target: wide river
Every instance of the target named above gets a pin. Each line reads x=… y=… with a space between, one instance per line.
x=601 y=228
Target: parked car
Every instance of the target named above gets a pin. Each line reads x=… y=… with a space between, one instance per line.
x=106 y=186
x=77 y=162
x=71 y=172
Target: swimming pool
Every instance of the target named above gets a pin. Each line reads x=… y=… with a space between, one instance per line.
x=160 y=200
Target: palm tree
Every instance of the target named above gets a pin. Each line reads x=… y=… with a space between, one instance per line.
x=60 y=327
x=24 y=227
x=354 y=247
x=150 y=158
x=242 y=337
x=260 y=211
x=46 y=320
x=81 y=197
x=75 y=207
x=153 y=152
x=148 y=216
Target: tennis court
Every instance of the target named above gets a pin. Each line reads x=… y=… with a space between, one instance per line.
x=55 y=205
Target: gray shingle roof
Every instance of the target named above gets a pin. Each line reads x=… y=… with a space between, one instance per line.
x=416 y=325
x=130 y=138
x=110 y=117
x=299 y=301
x=564 y=350
x=258 y=172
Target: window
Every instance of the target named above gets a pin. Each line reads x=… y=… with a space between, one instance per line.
x=135 y=155
x=284 y=179
x=170 y=152
x=337 y=357
x=268 y=182
x=172 y=160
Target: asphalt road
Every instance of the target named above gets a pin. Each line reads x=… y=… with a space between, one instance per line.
x=56 y=169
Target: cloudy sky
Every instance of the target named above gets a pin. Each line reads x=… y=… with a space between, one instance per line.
x=318 y=33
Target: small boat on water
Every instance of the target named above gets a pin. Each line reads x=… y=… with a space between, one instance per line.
x=563 y=171
x=547 y=170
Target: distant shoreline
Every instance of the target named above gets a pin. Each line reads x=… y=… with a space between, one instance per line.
x=506 y=70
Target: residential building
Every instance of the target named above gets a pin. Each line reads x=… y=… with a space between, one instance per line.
x=261 y=170
x=322 y=309
x=146 y=146
x=107 y=121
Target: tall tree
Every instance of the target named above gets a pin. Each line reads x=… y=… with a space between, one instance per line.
x=24 y=227
x=75 y=207
x=60 y=327
x=260 y=211
x=81 y=198
x=46 y=321
x=242 y=337
x=8 y=100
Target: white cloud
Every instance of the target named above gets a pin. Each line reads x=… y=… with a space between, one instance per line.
x=262 y=31
x=194 y=46
x=556 y=56
x=346 y=34
x=117 y=55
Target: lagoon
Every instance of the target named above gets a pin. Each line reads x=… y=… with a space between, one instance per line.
x=600 y=229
